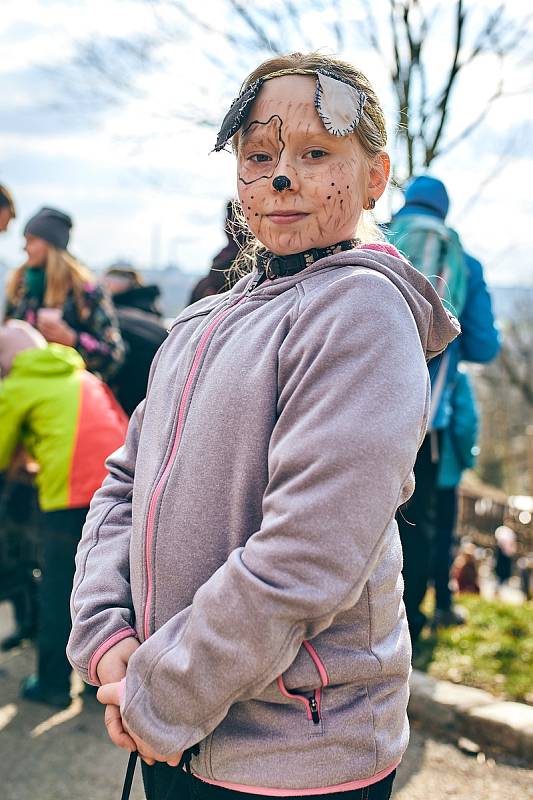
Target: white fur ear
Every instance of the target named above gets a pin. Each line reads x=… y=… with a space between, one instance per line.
x=339 y=105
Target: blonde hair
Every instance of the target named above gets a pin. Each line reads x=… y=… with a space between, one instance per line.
x=6 y=201
x=64 y=273
x=371 y=134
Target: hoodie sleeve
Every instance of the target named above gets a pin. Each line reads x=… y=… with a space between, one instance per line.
x=352 y=409
x=101 y=604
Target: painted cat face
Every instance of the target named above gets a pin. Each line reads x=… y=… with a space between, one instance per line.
x=328 y=175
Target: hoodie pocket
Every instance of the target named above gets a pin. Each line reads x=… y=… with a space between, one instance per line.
x=310 y=701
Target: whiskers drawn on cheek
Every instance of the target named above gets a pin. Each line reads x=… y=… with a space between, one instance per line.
x=271 y=136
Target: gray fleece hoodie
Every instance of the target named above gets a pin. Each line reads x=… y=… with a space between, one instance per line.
x=246 y=531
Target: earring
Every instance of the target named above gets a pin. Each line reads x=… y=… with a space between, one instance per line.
x=371 y=204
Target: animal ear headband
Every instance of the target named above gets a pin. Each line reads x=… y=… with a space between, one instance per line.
x=339 y=104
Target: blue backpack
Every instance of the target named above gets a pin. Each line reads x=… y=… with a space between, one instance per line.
x=435 y=250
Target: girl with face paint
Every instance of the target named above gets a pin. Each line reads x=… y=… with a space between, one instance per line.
x=300 y=186
x=238 y=591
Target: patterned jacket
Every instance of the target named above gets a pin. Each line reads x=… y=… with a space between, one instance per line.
x=98 y=336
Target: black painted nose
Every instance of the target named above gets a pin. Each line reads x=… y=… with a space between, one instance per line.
x=281 y=182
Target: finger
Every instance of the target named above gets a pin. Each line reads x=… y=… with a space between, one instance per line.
x=109 y=694
x=115 y=729
x=174 y=760
x=145 y=752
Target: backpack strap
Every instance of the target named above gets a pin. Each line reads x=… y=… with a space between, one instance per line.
x=438 y=372
x=130 y=772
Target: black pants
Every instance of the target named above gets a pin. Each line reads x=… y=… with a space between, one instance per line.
x=415 y=525
x=162 y=782
x=61 y=531
x=445 y=519
x=25 y=607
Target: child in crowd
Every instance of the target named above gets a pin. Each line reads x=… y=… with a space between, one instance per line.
x=464 y=570
x=68 y=420
x=238 y=591
x=505 y=554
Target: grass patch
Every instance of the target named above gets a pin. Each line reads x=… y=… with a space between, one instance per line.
x=492 y=651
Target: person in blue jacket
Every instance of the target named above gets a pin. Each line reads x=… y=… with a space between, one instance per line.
x=457 y=453
x=479 y=342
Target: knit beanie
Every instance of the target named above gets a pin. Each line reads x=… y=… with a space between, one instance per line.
x=16 y=336
x=51 y=225
x=430 y=193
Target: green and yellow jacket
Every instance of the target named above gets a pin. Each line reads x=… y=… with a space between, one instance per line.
x=66 y=418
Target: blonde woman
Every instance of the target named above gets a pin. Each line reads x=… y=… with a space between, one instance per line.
x=59 y=296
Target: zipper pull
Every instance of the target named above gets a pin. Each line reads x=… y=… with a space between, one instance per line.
x=252 y=285
x=256 y=281
x=313 y=706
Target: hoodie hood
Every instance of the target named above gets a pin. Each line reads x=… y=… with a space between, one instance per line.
x=53 y=360
x=436 y=326
x=17 y=336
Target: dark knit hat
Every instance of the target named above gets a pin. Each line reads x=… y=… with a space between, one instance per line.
x=51 y=225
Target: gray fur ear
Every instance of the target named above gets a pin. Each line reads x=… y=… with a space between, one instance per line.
x=236 y=116
x=339 y=105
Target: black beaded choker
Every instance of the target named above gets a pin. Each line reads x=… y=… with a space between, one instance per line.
x=277 y=266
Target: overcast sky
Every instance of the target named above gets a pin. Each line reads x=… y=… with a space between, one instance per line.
x=142 y=184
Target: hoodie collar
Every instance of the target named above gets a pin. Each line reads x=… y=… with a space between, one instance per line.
x=436 y=326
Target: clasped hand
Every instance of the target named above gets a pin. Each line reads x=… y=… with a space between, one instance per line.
x=111 y=669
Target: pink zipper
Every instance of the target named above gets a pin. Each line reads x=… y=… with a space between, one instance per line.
x=202 y=344
x=320 y=668
x=312 y=704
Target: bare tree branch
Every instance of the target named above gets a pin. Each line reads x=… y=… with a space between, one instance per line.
x=296 y=21
x=471 y=126
x=256 y=28
x=431 y=147
x=371 y=27
x=338 y=27
x=190 y=16
x=520 y=379
x=401 y=79
x=109 y=70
